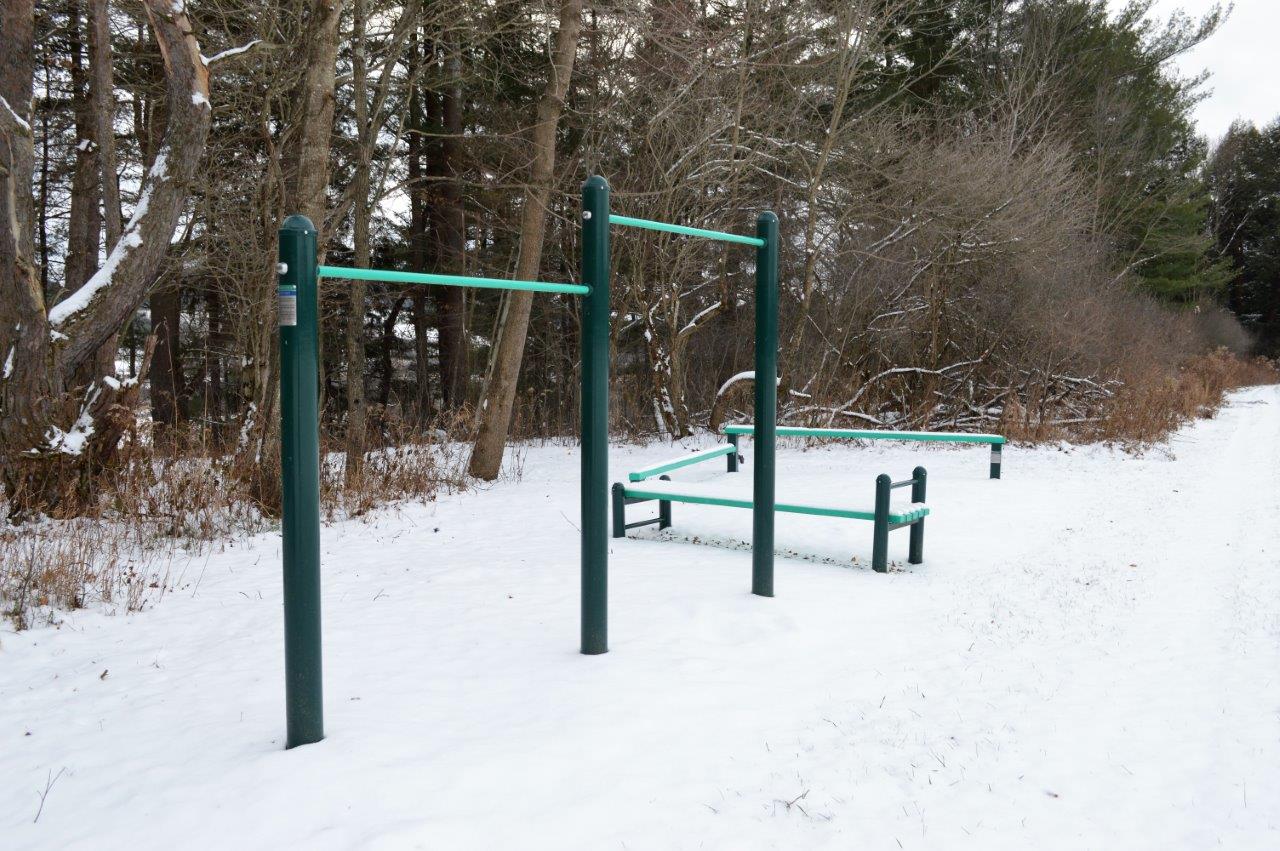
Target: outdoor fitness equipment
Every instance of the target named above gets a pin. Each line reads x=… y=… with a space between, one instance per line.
x=885 y=514
x=996 y=441
x=298 y=281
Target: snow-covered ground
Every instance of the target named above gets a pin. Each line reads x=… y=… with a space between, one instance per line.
x=1088 y=658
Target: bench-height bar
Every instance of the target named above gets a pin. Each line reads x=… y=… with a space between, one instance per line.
x=648 y=224
x=393 y=277
x=874 y=434
x=683 y=461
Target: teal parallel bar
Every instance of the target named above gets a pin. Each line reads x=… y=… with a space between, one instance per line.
x=646 y=224
x=873 y=434
x=393 y=277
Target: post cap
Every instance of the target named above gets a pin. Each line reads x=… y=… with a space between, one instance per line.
x=767 y=216
x=595 y=181
x=298 y=222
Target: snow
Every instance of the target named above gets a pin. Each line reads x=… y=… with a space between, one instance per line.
x=71 y=442
x=199 y=99
x=1087 y=658
x=227 y=54
x=8 y=362
x=22 y=122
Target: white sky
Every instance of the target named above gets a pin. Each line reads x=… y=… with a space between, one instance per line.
x=1241 y=59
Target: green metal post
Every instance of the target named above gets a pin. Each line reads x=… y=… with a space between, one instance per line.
x=619 y=497
x=733 y=456
x=920 y=480
x=766 y=407
x=300 y=473
x=880 y=535
x=595 y=417
x=995 y=460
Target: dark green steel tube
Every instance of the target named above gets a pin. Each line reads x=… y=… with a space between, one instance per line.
x=996 y=451
x=595 y=417
x=300 y=471
x=918 y=490
x=880 y=535
x=766 y=407
x=619 y=511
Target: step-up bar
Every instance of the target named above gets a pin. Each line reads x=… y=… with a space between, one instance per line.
x=648 y=224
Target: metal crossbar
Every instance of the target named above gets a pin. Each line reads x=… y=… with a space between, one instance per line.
x=389 y=276
x=873 y=434
x=647 y=224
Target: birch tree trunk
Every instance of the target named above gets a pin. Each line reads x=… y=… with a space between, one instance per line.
x=504 y=369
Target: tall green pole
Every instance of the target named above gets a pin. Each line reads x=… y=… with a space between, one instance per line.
x=766 y=408
x=300 y=473
x=595 y=417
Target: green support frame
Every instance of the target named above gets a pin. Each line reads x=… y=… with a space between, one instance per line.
x=299 y=277
x=300 y=480
x=766 y=391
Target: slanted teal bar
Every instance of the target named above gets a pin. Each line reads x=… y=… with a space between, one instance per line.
x=393 y=277
x=684 y=461
x=721 y=236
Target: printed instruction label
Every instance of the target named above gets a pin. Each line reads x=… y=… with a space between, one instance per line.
x=288 y=306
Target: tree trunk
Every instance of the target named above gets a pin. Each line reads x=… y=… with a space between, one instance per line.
x=310 y=176
x=450 y=242
x=104 y=108
x=84 y=223
x=419 y=241
x=27 y=385
x=355 y=315
x=422 y=357
x=388 y=344
x=166 y=362
x=48 y=429
x=504 y=368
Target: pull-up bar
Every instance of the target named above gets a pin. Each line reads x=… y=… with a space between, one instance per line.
x=299 y=276
x=298 y=287
x=648 y=224
x=394 y=277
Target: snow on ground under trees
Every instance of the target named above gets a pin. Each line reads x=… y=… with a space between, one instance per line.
x=1088 y=658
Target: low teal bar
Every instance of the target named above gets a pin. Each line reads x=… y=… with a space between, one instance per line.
x=646 y=224
x=392 y=277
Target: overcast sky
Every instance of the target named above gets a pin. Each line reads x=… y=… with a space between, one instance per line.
x=1241 y=59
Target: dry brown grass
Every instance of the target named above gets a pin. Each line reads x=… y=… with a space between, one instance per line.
x=1143 y=412
x=172 y=501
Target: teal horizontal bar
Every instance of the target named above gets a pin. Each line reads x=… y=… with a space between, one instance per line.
x=646 y=224
x=683 y=461
x=387 y=276
x=873 y=434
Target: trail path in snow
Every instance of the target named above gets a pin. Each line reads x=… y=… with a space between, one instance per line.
x=1088 y=658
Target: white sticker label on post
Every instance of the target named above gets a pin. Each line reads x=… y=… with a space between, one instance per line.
x=288 y=306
